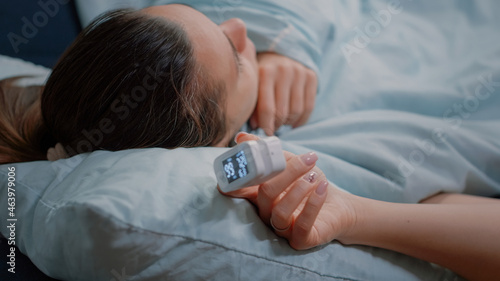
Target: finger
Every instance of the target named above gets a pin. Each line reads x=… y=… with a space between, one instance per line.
x=311 y=88
x=282 y=98
x=244 y=136
x=282 y=213
x=297 y=99
x=249 y=193
x=254 y=121
x=269 y=191
x=51 y=154
x=265 y=103
x=306 y=219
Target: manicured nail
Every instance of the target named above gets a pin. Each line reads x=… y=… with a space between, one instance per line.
x=321 y=189
x=309 y=158
x=239 y=135
x=310 y=177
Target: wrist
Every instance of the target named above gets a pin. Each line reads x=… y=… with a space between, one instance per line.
x=363 y=214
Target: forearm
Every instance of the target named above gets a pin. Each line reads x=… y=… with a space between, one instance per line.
x=463 y=238
x=458 y=198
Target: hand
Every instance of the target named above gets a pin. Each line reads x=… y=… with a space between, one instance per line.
x=57 y=152
x=287 y=92
x=303 y=206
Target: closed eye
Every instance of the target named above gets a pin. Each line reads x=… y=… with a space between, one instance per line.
x=237 y=58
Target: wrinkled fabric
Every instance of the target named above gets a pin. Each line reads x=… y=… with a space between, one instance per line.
x=408 y=106
x=155 y=214
x=409 y=93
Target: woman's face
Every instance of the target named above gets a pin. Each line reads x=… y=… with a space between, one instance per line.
x=228 y=55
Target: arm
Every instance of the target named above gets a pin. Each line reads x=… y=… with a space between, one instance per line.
x=463 y=238
x=460 y=232
x=458 y=198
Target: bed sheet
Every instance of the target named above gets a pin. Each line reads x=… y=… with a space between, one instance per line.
x=404 y=111
x=409 y=94
x=410 y=100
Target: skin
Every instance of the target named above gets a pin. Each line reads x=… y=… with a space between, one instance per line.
x=215 y=47
x=454 y=230
x=287 y=93
x=457 y=231
x=272 y=88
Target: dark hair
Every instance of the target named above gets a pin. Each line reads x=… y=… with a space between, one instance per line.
x=23 y=136
x=130 y=80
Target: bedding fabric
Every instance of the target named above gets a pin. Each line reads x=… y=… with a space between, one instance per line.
x=408 y=106
x=142 y=215
x=408 y=102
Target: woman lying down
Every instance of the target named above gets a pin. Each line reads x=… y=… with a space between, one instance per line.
x=204 y=82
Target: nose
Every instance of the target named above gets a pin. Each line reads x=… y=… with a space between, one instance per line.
x=236 y=30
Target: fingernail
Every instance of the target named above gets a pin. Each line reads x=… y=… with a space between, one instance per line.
x=309 y=158
x=239 y=135
x=321 y=189
x=310 y=177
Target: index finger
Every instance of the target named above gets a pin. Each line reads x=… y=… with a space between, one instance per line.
x=266 y=103
x=269 y=191
x=311 y=87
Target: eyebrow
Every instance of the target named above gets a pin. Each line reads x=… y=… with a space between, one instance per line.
x=235 y=54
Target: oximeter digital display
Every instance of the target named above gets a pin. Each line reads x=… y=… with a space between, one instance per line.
x=249 y=163
x=236 y=166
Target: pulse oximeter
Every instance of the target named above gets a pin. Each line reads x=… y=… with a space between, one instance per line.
x=249 y=163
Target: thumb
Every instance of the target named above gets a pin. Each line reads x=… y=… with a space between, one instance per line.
x=249 y=193
x=243 y=137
